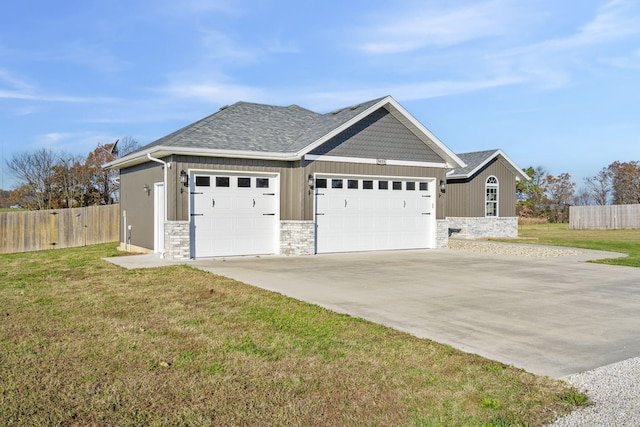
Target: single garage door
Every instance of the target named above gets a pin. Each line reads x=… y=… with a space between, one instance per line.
x=234 y=215
x=364 y=214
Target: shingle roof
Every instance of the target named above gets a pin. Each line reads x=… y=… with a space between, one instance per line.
x=250 y=130
x=477 y=159
x=247 y=126
x=473 y=161
x=243 y=126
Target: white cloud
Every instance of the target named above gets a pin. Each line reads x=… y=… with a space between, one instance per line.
x=324 y=101
x=414 y=29
x=215 y=93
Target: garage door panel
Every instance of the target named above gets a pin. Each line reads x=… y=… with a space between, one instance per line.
x=361 y=219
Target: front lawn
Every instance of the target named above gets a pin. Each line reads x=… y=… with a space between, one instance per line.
x=86 y=343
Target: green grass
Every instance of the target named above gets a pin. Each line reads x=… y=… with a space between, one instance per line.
x=623 y=241
x=84 y=342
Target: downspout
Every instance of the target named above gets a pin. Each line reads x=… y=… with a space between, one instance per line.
x=166 y=166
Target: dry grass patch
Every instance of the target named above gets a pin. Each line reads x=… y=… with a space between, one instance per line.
x=86 y=343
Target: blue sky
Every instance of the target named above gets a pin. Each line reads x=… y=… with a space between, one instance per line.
x=552 y=83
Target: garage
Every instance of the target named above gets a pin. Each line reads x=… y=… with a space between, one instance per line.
x=233 y=214
x=355 y=213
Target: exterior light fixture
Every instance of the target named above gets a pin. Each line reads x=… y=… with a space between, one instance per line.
x=443 y=187
x=184 y=178
x=310 y=181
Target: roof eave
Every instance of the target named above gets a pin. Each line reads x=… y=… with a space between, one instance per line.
x=519 y=173
x=407 y=119
x=164 y=151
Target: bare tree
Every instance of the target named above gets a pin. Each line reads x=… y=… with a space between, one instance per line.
x=583 y=197
x=599 y=187
x=560 y=191
x=34 y=172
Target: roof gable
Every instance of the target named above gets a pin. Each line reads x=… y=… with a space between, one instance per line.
x=378 y=136
x=477 y=160
x=248 y=130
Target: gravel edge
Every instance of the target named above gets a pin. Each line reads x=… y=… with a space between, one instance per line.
x=614 y=391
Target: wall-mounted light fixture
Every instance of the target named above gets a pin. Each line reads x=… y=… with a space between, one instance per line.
x=443 y=187
x=146 y=189
x=310 y=181
x=184 y=178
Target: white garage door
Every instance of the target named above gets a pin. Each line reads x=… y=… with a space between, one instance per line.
x=363 y=214
x=234 y=215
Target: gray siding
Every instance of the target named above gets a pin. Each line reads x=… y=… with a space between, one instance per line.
x=138 y=204
x=367 y=170
x=467 y=198
x=179 y=202
x=379 y=136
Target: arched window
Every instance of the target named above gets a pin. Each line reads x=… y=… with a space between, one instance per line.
x=491 y=196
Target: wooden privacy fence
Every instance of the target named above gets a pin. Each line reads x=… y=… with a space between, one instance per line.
x=609 y=216
x=59 y=228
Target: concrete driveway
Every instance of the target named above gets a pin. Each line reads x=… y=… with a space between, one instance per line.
x=551 y=316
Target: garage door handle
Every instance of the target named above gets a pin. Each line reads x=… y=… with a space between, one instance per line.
x=405 y=203
x=269 y=214
x=213 y=203
x=268 y=194
x=345 y=203
x=254 y=203
x=426 y=213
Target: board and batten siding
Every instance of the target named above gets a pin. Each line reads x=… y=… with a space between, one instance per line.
x=291 y=182
x=466 y=198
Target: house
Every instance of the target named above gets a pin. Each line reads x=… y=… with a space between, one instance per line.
x=481 y=197
x=260 y=179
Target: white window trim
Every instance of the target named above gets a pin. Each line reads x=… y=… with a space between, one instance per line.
x=495 y=185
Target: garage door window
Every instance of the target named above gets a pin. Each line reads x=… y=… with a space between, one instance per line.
x=244 y=182
x=336 y=183
x=383 y=185
x=397 y=185
x=353 y=184
x=262 y=182
x=203 y=181
x=424 y=186
x=367 y=185
x=222 y=181
x=321 y=183
x=411 y=186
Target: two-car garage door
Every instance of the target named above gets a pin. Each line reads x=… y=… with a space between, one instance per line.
x=363 y=214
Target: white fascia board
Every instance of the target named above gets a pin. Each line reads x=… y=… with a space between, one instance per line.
x=519 y=173
x=162 y=151
x=344 y=126
x=360 y=160
x=453 y=160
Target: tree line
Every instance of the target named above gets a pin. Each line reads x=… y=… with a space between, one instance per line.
x=548 y=197
x=50 y=180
